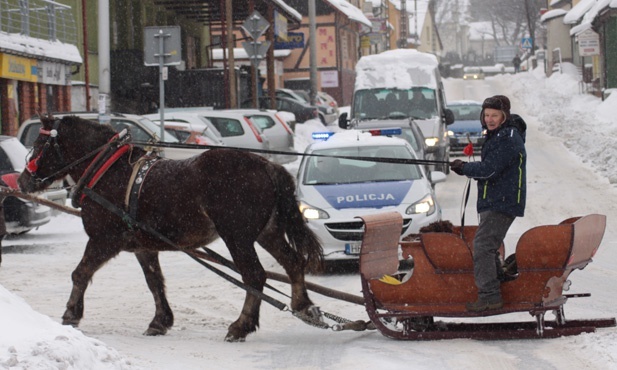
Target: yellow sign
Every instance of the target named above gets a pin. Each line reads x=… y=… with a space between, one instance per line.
x=18 y=68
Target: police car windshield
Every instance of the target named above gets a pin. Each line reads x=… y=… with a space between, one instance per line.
x=328 y=170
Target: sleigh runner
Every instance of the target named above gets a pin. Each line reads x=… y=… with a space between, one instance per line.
x=442 y=281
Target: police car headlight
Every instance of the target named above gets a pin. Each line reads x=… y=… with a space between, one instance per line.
x=431 y=141
x=425 y=205
x=450 y=133
x=311 y=213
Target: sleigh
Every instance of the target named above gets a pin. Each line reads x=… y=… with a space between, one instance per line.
x=442 y=282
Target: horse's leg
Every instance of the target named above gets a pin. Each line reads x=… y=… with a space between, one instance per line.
x=97 y=253
x=163 y=317
x=253 y=274
x=276 y=244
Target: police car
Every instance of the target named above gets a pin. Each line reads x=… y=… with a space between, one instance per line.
x=333 y=191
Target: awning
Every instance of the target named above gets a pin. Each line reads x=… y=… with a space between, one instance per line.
x=34 y=48
x=209 y=11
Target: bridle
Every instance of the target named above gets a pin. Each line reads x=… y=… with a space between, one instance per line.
x=52 y=142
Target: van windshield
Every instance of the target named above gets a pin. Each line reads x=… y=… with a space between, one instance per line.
x=417 y=103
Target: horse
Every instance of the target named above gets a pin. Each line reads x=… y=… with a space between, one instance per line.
x=236 y=195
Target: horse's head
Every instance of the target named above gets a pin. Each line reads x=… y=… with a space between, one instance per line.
x=61 y=142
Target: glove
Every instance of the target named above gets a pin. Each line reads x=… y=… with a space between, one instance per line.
x=457 y=166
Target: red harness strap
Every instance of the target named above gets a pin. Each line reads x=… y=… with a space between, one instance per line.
x=105 y=166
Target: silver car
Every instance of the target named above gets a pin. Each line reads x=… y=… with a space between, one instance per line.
x=140 y=128
x=277 y=130
x=234 y=129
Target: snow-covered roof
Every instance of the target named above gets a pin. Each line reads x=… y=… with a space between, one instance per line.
x=352 y=12
x=289 y=9
x=591 y=14
x=399 y=68
x=553 y=13
x=578 y=11
x=39 y=48
x=240 y=53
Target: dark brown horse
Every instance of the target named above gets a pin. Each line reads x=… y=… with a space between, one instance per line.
x=237 y=196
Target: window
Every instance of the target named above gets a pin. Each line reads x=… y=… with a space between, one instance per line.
x=227 y=126
x=263 y=122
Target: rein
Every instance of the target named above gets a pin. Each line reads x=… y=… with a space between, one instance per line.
x=266 y=151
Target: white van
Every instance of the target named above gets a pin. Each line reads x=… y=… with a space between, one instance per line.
x=397 y=87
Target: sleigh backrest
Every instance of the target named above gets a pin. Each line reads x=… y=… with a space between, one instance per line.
x=544 y=247
x=379 y=253
x=447 y=252
x=570 y=244
x=588 y=234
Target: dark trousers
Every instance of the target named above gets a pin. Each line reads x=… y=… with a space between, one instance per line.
x=486 y=264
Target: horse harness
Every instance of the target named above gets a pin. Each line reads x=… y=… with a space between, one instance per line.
x=109 y=154
x=105 y=158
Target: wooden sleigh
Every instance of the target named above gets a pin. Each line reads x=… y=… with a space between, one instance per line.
x=442 y=282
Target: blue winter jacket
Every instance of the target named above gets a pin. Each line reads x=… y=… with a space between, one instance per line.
x=501 y=174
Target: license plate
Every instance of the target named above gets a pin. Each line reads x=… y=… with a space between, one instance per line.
x=352 y=248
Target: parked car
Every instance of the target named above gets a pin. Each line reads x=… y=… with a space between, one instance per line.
x=473 y=73
x=332 y=112
x=22 y=215
x=333 y=191
x=187 y=134
x=467 y=127
x=192 y=130
x=327 y=112
x=302 y=110
x=140 y=128
x=280 y=135
x=234 y=128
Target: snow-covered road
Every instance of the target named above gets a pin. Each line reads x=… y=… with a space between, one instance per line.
x=118 y=306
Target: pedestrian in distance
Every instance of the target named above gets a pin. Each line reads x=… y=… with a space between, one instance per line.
x=501 y=178
x=516 y=62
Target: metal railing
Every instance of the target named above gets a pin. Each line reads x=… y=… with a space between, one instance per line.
x=41 y=19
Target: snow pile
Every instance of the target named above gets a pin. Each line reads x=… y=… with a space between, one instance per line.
x=31 y=340
x=585 y=122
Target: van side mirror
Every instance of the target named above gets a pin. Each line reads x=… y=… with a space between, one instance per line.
x=343 y=122
x=449 y=116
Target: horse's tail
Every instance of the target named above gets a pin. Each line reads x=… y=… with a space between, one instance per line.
x=298 y=233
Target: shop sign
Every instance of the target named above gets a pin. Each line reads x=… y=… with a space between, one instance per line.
x=52 y=73
x=13 y=67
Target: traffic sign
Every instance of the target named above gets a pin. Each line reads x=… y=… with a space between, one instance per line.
x=171 y=51
x=255 y=25
x=256 y=51
x=526 y=43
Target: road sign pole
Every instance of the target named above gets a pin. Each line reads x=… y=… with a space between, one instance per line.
x=161 y=83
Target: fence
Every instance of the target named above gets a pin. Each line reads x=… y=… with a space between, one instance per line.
x=41 y=19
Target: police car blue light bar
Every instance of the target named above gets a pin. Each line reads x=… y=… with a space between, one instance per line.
x=386 y=131
x=322 y=135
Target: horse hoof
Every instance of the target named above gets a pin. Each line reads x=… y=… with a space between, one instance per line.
x=72 y=322
x=155 y=331
x=234 y=339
